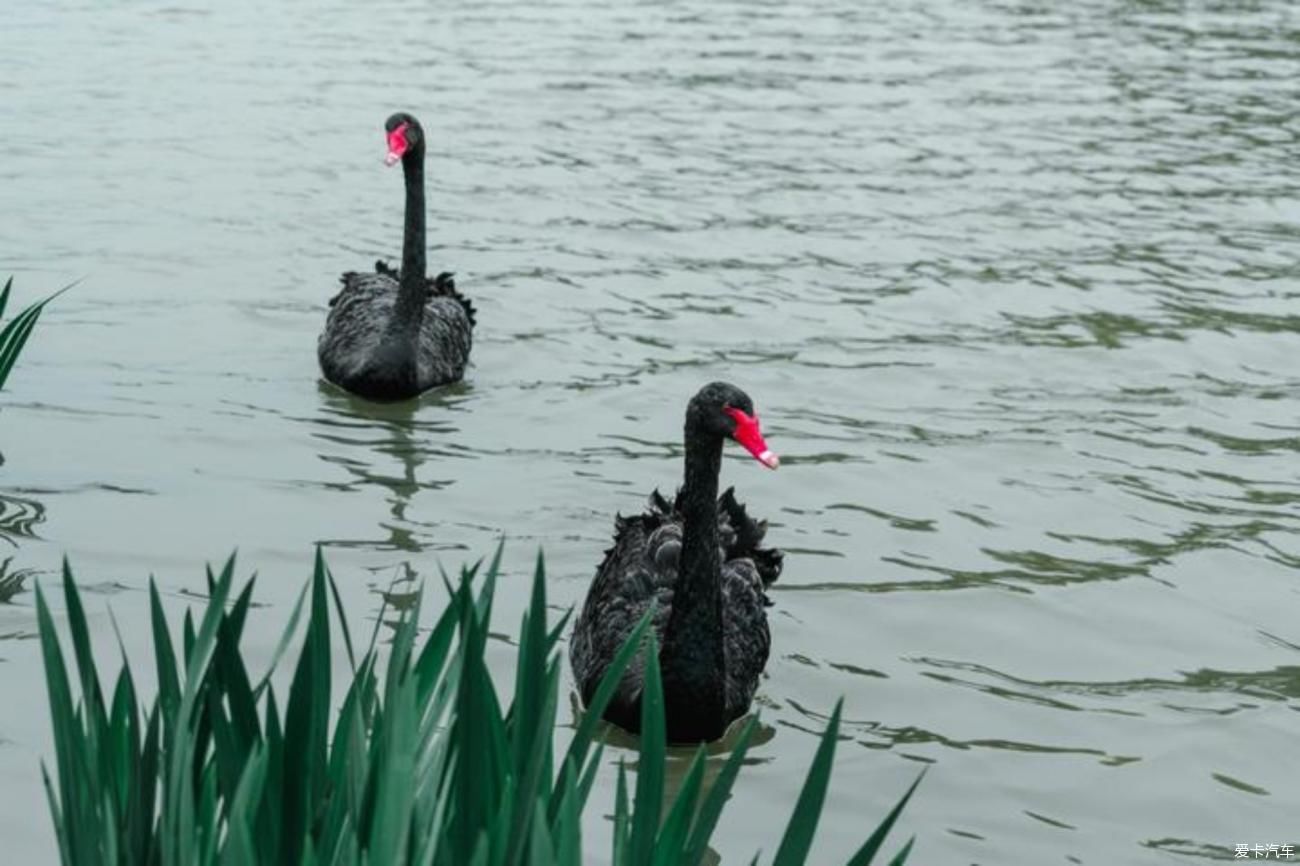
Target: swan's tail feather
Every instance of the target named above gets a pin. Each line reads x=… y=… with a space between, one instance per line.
x=445 y=284
x=749 y=532
x=347 y=278
x=769 y=562
x=745 y=537
x=660 y=506
x=632 y=534
x=656 y=514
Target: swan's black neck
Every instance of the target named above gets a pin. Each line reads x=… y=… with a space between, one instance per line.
x=692 y=656
x=411 y=292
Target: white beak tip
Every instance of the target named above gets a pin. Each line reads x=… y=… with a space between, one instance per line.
x=770 y=460
x=391 y=159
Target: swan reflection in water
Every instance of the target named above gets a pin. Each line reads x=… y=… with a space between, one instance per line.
x=369 y=435
x=18 y=517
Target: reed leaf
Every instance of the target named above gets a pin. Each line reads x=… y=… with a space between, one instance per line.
x=808 y=809
x=650 y=769
x=867 y=852
x=14 y=335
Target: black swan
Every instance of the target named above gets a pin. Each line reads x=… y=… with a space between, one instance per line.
x=699 y=559
x=391 y=335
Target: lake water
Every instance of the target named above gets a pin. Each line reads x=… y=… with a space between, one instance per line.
x=1013 y=286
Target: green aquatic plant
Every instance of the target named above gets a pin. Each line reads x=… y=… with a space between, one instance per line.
x=12 y=580
x=421 y=764
x=14 y=334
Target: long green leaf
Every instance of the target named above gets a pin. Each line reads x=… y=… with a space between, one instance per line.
x=60 y=828
x=901 y=857
x=14 y=335
x=798 y=837
x=169 y=690
x=241 y=847
x=306 y=722
x=532 y=716
x=286 y=637
x=711 y=809
x=180 y=837
x=582 y=737
x=622 y=852
x=869 y=848
x=671 y=843
x=393 y=798
x=76 y=816
x=568 y=829
x=338 y=609
x=650 y=766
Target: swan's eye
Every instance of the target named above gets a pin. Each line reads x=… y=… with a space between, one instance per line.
x=397 y=144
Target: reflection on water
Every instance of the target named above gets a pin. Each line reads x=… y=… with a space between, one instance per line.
x=365 y=431
x=18 y=517
x=1012 y=285
x=1190 y=848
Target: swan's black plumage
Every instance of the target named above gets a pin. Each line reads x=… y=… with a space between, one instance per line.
x=699 y=558
x=392 y=334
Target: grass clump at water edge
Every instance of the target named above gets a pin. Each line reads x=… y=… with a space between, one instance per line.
x=422 y=764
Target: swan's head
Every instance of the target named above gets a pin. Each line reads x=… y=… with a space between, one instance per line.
x=723 y=409
x=405 y=135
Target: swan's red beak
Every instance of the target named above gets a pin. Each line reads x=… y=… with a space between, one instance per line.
x=750 y=435
x=397 y=144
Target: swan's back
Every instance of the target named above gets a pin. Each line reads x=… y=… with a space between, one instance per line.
x=643 y=565
x=362 y=348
